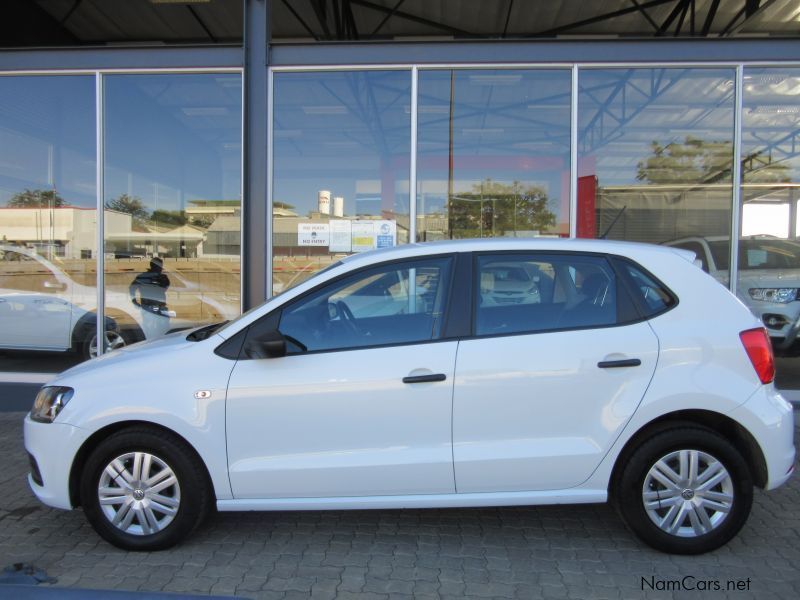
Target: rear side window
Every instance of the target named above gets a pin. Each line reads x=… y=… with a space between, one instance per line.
x=653 y=296
x=519 y=293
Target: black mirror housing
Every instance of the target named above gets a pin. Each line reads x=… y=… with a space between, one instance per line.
x=268 y=345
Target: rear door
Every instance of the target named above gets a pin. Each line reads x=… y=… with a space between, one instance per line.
x=556 y=367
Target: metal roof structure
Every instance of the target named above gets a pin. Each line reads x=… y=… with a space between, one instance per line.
x=26 y=23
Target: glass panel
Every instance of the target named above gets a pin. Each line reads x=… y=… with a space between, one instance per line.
x=543 y=293
x=48 y=235
x=340 y=169
x=769 y=252
x=172 y=198
x=493 y=153
x=655 y=155
x=394 y=304
x=656 y=298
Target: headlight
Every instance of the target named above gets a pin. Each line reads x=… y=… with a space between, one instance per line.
x=49 y=402
x=779 y=295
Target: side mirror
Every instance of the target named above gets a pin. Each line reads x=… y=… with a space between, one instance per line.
x=268 y=345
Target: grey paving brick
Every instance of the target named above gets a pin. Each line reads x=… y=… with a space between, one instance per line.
x=517 y=552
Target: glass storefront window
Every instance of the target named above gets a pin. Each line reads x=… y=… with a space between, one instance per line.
x=341 y=144
x=655 y=150
x=769 y=251
x=493 y=153
x=172 y=201
x=48 y=241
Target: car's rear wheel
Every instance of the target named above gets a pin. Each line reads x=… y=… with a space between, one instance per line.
x=144 y=489
x=685 y=490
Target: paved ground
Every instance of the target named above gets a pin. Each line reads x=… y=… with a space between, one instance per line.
x=551 y=552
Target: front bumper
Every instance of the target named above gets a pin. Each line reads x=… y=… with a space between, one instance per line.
x=53 y=446
x=770 y=420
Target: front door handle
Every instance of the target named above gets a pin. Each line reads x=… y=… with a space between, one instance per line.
x=616 y=364
x=424 y=378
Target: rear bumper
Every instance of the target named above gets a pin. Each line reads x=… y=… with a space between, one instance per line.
x=770 y=419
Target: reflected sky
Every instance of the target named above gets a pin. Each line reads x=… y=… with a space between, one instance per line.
x=345 y=132
x=173 y=138
x=47 y=137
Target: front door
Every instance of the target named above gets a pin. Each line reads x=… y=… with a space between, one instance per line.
x=362 y=403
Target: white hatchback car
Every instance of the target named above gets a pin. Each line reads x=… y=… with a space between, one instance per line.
x=618 y=382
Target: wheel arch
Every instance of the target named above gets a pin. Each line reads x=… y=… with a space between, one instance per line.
x=728 y=428
x=76 y=470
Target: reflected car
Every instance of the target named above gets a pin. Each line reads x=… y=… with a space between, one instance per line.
x=386 y=382
x=42 y=308
x=769 y=279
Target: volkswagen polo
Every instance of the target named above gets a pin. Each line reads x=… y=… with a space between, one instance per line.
x=395 y=379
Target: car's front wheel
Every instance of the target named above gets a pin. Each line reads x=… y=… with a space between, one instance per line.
x=685 y=490
x=144 y=489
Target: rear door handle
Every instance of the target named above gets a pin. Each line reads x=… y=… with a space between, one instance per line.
x=424 y=378
x=616 y=364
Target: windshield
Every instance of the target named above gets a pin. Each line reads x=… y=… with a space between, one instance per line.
x=759 y=254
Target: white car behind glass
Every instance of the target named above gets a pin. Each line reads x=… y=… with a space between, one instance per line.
x=611 y=384
x=42 y=308
x=769 y=279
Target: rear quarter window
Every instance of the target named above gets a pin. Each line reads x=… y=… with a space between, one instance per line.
x=652 y=296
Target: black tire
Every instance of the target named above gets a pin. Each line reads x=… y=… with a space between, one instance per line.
x=721 y=525
x=193 y=489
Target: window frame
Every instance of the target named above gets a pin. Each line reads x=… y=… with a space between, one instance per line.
x=274 y=316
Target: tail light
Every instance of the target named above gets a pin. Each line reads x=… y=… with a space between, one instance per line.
x=759 y=349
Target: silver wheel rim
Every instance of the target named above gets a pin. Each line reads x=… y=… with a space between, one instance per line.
x=139 y=493
x=113 y=340
x=688 y=493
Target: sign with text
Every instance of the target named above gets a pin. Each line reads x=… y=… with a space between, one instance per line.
x=313 y=234
x=340 y=236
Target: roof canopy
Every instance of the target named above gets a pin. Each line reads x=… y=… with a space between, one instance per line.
x=99 y=22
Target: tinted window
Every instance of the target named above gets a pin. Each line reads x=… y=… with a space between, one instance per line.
x=655 y=297
x=390 y=304
x=529 y=293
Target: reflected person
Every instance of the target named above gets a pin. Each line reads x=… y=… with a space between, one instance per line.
x=149 y=292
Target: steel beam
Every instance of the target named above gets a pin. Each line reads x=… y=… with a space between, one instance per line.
x=257 y=221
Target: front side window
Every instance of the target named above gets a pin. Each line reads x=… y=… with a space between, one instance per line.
x=531 y=293
x=398 y=303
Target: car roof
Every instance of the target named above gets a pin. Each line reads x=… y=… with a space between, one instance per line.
x=514 y=245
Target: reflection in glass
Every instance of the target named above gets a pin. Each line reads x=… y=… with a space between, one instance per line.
x=655 y=154
x=340 y=169
x=493 y=153
x=172 y=201
x=47 y=220
x=769 y=253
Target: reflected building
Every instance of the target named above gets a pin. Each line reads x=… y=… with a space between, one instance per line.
x=528 y=119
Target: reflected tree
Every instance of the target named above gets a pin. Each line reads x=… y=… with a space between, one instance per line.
x=696 y=161
x=495 y=209
x=133 y=206
x=36 y=199
x=172 y=218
